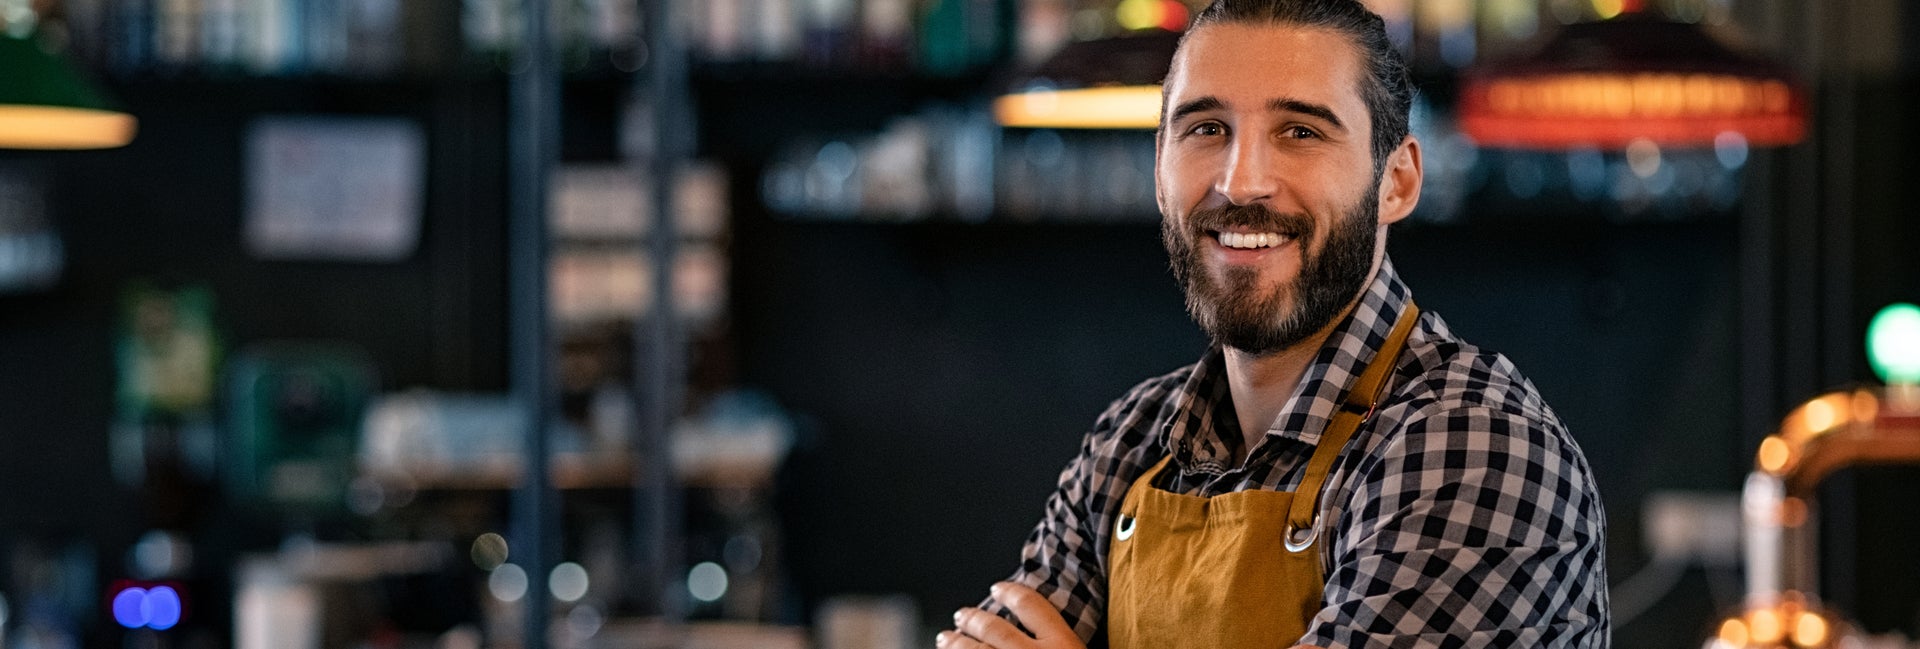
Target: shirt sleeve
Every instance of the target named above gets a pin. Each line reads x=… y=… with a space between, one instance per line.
x=1475 y=527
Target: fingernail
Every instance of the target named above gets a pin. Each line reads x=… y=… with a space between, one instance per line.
x=956 y=618
x=995 y=588
x=940 y=639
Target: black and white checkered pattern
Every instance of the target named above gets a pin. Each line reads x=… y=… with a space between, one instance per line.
x=1462 y=515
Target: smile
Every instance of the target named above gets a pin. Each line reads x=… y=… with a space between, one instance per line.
x=1250 y=240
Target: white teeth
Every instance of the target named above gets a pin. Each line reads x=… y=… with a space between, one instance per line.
x=1250 y=241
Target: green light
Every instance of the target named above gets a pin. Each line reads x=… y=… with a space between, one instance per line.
x=1893 y=343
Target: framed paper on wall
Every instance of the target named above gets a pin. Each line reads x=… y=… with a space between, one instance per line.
x=334 y=188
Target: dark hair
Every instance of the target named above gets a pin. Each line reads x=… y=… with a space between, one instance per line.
x=1387 y=89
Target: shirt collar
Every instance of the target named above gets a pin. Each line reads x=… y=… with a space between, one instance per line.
x=1194 y=438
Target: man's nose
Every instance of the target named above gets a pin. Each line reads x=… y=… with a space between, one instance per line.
x=1250 y=175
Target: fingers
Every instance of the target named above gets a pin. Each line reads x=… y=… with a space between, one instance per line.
x=989 y=629
x=1034 y=611
x=955 y=640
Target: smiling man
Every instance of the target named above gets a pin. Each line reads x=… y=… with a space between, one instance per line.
x=1339 y=470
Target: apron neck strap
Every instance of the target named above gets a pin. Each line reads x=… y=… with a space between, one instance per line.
x=1362 y=397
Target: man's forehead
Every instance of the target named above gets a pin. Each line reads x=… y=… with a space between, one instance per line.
x=1238 y=63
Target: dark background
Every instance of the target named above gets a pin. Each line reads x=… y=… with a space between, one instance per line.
x=942 y=372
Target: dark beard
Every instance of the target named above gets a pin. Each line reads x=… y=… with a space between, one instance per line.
x=1233 y=312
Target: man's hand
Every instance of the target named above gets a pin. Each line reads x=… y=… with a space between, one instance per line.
x=977 y=629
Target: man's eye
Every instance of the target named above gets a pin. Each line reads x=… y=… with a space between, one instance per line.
x=1208 y=129
x=1301 y=133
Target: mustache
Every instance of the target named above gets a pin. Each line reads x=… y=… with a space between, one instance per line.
x=1255 y=217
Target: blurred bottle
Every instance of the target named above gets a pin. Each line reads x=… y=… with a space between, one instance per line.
x=323 y=38
x=959 y=36
x=775 y=29
x=89 y=29
x=897 y=178
x=886 y=34
x=1045 y=27
x=719 y=28
x=1446 y=36
x=867 y=622
x=220 y=22
x=613 y=31
x=830 y=32
x=370 y=37
x=176 y=33
x=943 y=42
x=131 y=44
x=272 y=44
x=492 y=28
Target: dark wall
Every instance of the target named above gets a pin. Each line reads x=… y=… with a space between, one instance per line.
x=1869 y=528
x=949 y=372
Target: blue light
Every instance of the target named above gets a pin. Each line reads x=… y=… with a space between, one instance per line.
x=158 y=608
x=130 y=608
x=162 y=607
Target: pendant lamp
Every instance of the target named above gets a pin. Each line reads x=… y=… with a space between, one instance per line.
x=46 y=104
x=1108 y=83
x=1637 y=76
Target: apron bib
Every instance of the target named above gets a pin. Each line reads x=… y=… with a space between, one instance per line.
x=1238 y=570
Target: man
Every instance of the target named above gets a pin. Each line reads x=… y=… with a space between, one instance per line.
x=1339 y=470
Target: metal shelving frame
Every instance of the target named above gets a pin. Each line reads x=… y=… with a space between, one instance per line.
x=533 y=154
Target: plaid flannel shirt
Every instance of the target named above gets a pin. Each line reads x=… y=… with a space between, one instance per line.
x=1461 y=515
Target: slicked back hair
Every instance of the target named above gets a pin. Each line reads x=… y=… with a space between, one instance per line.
x=1386 y=87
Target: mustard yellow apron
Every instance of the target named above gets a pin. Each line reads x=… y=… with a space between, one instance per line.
x=1235 y=570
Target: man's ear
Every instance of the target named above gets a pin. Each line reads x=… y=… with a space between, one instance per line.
x=1400 y=181
x=1159 y=193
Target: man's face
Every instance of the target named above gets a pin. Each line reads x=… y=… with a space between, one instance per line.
x=1264 y=175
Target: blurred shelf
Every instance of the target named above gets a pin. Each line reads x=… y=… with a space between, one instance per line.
x=339 y=562
x=567 y=471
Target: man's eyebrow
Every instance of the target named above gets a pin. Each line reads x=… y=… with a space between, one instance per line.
x=1194 y=106
x=1308 y=108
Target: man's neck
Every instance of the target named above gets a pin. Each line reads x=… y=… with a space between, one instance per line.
x=1260 y=385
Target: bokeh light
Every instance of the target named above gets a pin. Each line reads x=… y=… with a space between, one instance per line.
x=489 y=551
x=161 y=607
x=1731 y=149
x=568 y=582
x=508 y=583
x=1893 y=343
x=129 y=608
x=707 y=582
x=158 y=608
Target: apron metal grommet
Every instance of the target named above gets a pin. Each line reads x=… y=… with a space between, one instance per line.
x=1124 y=530
x=1298 y=539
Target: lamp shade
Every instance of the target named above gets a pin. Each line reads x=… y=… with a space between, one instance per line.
x=1109 y=83
x=46 y=104
x=1605 y=84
